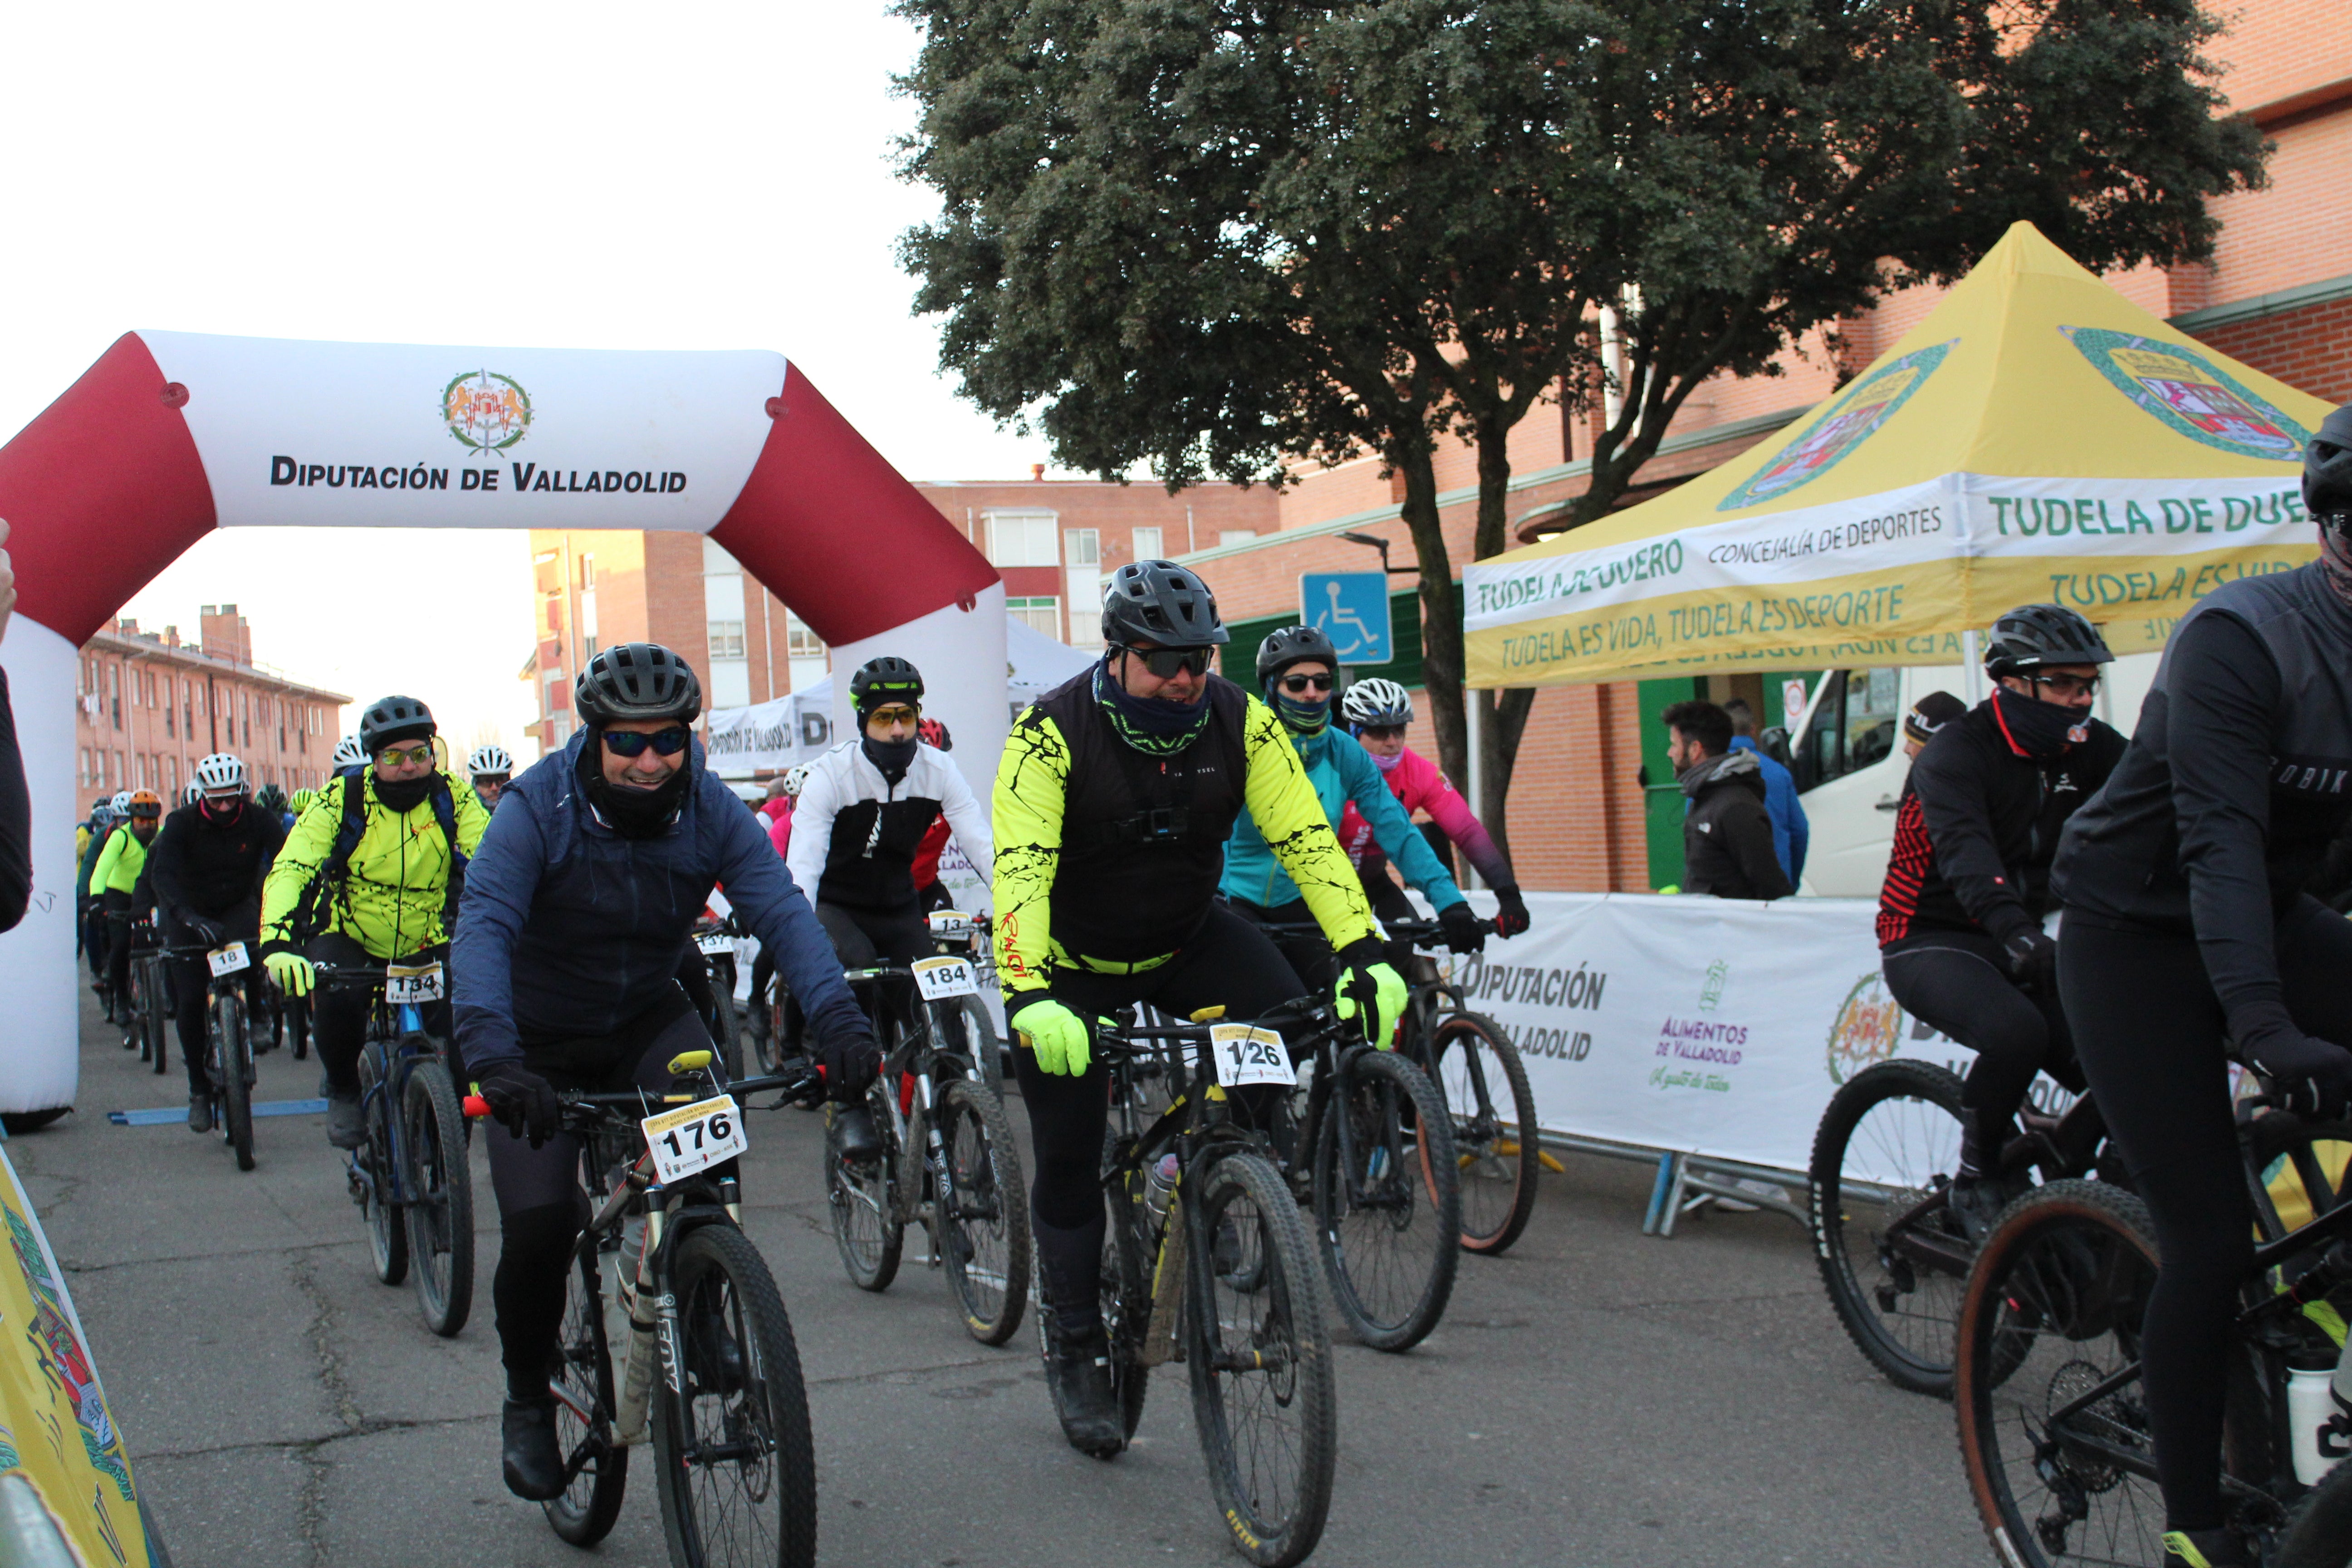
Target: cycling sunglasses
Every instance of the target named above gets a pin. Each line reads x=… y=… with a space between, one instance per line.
x=2068 y=685
x=1164 y=662
x=397 y=756
x=900 y=714
x=1295 y=684
x=1380 y=732
x=633 y=743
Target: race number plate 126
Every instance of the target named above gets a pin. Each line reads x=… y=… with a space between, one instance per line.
x=1246 y=1055
x=229 y=960
x=412 y=984
x=693 y=1137
x=944 y=979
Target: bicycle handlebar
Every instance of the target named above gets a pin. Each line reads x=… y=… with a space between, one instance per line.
x=582 y=1110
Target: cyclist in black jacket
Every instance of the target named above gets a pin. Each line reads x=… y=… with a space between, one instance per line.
x=2187 y=929
x=1959 y=917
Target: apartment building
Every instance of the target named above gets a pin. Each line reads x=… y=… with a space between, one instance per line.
x=148 y=707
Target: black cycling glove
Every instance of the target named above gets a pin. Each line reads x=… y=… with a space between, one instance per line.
x=2032 y=958
x=523 y=1102
x=1461 y=929
x=210 y=932
x=850 y=1062
x=1512 y=917
x=2313 y=1077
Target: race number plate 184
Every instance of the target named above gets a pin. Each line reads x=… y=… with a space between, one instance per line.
x=1246 y=1055
x=693 y=1137
x=944 y=979
x=412 y=984
x=229 y=960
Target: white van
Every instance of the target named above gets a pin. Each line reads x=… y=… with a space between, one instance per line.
x=1847 y=754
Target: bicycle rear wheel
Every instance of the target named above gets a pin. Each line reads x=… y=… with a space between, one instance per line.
x=582 y=1382
x=735 y=1462
x=1388 y=1211
x=1264 y=1395
x=865 y=1226
x=236 y=1080
x=1890 y=1255
x=983 y=1207
x=1495 y=1144
x=387 y=1234
x=440 y=1197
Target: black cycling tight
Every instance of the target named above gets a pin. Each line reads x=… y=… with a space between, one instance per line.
x=2150 y=1029
x=1959 y=982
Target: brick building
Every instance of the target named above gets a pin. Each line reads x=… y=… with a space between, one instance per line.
x=148 y=707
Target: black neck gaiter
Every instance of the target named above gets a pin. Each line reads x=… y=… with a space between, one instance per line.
x=2041 y=729
x=632 y=813
x=892 y=757
x=405 y=796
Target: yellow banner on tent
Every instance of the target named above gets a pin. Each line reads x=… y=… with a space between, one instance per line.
x=2037 y=437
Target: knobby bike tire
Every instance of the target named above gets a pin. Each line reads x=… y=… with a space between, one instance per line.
x=1391 y=1258
x=157 y=1025
x=728 y=1032
x=2318 y=1532
x=440 y=1186
x=1497 y=1145
x=387 y=1233
x=1260 y=1358
x=980 y=1040
x=133 y=1021
x=582 y=1382
x=761 y=1510
x=1913 y=1112
x=866 y=1229
x=297 y=1026
x=1130 y=1253
x=236 y=1083
x=983 y=1214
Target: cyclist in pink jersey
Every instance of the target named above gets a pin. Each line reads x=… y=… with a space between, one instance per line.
x=1377 y=712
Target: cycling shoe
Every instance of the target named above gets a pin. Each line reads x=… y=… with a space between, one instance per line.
x=1077 y=1372
x=528 y=1451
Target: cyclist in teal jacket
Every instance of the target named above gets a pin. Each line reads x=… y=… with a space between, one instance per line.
x=1295 y=668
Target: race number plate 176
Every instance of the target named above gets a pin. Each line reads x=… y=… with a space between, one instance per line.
x=944 y=979
x=227 y=960
x=1246 y=1055
x=693 y=1137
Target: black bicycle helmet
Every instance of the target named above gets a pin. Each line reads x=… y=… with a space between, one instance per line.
x=1287 y=645
x=1159 y=602
x=269 y=797
x=636 y=680
x=886 y=680
x=391 y=718
x=2032 y=636
x=2327 y=471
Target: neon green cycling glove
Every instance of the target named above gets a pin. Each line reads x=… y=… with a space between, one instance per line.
x=292 y=971
x=1056 y=1034
x=1369 y=986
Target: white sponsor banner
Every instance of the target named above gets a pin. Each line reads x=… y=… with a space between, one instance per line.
x=395 y=435
x=767 y=737
x=2132 y=517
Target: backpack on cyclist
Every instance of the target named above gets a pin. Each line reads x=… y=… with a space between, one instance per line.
x=310 y=917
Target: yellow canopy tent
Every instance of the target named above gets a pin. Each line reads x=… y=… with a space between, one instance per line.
x=2037 y=437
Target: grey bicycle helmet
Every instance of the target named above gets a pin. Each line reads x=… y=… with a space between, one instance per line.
x=1287 y=646
x=1159 y=602
x=2328 y=472
x=2033 y=636
x=391 y=718
x=636 y=680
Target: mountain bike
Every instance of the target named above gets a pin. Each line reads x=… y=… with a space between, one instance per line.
x=1891 y=1255
x=228 y=1052
x=1375 y=1159
x=409 y=1176
x=966 y=936
x=1477 y=1069
x=947 y=1159
x=2046 y=1381
x=1205 y=1261
x=708 y=1368
x=150 y=988
x=716 y=937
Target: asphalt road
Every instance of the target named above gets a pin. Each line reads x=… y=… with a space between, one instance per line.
x=1596 y=1397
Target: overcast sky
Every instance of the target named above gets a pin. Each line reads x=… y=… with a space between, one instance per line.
x=689 y=176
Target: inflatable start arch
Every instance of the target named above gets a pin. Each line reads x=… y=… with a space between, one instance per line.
x=170 y=435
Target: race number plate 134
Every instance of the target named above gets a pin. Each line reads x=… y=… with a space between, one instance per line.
x=1246 y=1055
x=693 y=1137
x=412 y=984
x=944 y=979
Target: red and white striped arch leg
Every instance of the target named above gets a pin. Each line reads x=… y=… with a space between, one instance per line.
x=170 y=435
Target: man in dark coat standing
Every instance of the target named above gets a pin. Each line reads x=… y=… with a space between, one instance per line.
x=1726 y=833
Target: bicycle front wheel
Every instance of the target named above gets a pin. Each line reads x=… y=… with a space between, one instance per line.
x=236 y=1080
x=387 y=1234
x=2319 y=1529
x=736 y=1465
x=158 y=1023
x=1388 y=1211
x=1890 y=1254
x=440 y=1198
x=1495 y=1144
x=866 y=1228
x=728 y=1033
x=983 y=1211
x=1264 y=1395
x=582 y=1382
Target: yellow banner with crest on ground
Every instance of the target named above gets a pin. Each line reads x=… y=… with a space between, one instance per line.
x=2037 y=437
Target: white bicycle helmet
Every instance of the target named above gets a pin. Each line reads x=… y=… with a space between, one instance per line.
x=120 y=802
x=192 y=793
x=220 y=771
x=1375 y=703
x=489 y=758
x=795 y=779
x=349 y=752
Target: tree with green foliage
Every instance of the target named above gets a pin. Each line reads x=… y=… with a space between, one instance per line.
x=1219 y=238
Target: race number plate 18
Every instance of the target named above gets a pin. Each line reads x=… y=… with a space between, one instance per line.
x=229 y=960
x=1246 y=1055
x=412 y=984
x=693 y=1137
x=944 y=979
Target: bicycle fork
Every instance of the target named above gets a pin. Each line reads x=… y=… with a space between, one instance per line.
x=653 y=1330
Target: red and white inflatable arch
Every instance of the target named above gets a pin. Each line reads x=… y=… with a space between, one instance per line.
x=170 y=435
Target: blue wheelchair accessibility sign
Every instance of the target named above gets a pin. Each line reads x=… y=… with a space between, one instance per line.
x=1352 y=608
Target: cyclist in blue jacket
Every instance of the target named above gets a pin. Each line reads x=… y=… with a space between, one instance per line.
x=1297 y=667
